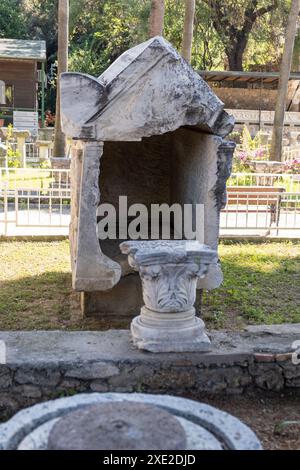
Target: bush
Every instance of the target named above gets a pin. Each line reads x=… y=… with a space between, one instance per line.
x=13 y=156
x=292 y=166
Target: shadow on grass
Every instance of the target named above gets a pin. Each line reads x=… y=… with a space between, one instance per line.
x=47 y=301
x=259 y=287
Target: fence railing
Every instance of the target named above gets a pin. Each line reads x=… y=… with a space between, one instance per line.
x=261 y=210
x=37 y=198
x=290 y=182
x=35 y=178
x=256 y=201
x=291 y=153
x=32 y=154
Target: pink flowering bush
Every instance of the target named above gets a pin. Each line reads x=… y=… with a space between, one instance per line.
x=292 y=166
x=259 y=154
x=242 y=159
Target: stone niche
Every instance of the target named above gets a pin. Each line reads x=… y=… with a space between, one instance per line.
x=151 y=129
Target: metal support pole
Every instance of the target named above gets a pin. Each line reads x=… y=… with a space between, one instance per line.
x=43 y=95
x=5 y=188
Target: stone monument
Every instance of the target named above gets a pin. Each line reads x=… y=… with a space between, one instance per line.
x=149 y=128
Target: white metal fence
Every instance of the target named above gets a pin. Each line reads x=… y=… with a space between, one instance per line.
x=261 y=211
x=291 y=182
x=291 y=153
x=37 y=201
x=34 y=199
x=31 y=152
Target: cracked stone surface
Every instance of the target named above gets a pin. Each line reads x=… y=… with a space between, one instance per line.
x=46 y=364
x=203 y=426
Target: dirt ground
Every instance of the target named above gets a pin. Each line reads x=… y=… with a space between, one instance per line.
x=263 y=414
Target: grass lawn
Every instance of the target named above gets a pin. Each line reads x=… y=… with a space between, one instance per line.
x=35 y=179
x=261 y=285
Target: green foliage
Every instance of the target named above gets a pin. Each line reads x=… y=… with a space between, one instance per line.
x=41 y=18
x=12 y=20
x=45 y=165
x=249 y=143
x=265 y=42
x=249 y=149
x=13 y=156
x=240 y=23
x=286 y=427
x=101 y=30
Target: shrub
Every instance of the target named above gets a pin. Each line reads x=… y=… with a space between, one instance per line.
x=292 y=166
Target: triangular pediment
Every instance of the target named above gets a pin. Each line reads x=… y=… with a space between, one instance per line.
x=148 y=90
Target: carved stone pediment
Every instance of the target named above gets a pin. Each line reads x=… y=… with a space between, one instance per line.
x=151 y=90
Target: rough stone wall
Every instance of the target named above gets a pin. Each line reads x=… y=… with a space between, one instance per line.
x=255 y=362
x=23 y=385
x=249 y=98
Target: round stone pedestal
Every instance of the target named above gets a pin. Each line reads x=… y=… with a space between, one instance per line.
x=117 y=426
x=169 y=332
x=125 y=421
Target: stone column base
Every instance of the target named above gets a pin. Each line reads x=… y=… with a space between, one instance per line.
x=169 y=332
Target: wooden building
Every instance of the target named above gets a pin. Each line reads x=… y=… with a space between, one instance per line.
x=22 y=75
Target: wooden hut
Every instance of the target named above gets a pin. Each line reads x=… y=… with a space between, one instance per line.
x=22 y=75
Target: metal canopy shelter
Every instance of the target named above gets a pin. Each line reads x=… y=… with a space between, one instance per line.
x=244 y=77
x=231 y=77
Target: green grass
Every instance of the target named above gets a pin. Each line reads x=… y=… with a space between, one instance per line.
x=261 y=285
x=34 y=179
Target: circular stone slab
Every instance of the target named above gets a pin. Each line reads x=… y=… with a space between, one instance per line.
x=205 y=427
x=118 y=426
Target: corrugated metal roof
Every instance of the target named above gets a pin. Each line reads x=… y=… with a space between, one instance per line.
x=251 y=77
x=22 y=49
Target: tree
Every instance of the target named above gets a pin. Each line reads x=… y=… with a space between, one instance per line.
x=12 y=20
x=101 y=31
x=188 y=29
x=62 y=66
x=156 y=21
x=285 y=68
x=233 y=20
x=41 y=18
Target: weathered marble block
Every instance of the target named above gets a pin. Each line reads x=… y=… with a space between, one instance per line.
x=151 y=129
x=169 y=272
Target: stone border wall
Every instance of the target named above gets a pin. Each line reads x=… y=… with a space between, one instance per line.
x=47 y=365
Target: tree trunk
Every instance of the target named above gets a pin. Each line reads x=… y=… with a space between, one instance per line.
x=62 y=59
x=285 y=68
x=235 y=54
x=188 y=29
x=156 y=21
